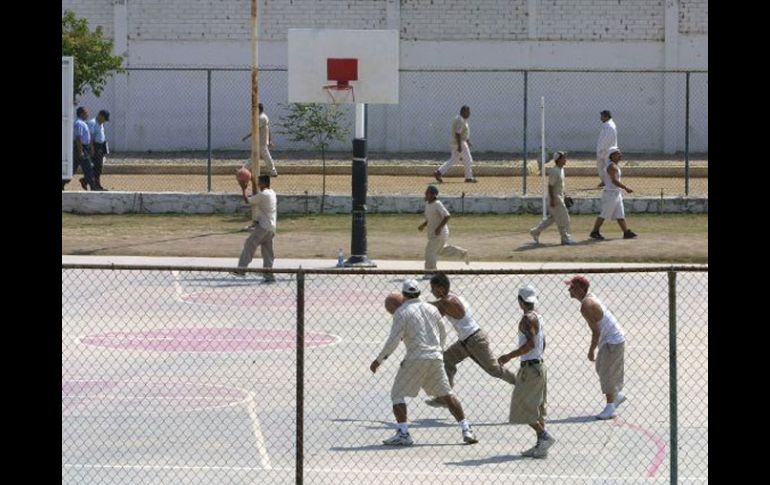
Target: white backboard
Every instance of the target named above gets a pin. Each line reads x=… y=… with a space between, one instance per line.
x=67 y=115
x=377 y=54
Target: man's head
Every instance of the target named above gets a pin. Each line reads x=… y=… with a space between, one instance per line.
x=615 y=154
x=103 y=116
x=560 y=158
x=431 y=193
x=527 y=297
x=439 y=285
x=263 y=182
x=261 y=108
x=605 y=115
x=578 y=287
x=465 y=112
x=410 y=289
x=82 y=113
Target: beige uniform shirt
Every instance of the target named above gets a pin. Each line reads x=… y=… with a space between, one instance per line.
x=435 y=212
x=556 y=180
x=420 y=327
x=264 y=209
x=264 y=123
x=460 y=126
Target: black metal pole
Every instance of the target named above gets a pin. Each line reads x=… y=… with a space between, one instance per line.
x=524 y=181
x=672 y=378
x=300 y=438
x=358 y=257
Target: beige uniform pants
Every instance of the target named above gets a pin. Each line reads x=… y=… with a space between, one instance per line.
x=464 y=154
x=477 y=348
x=437 y=246
x=262 y=238
x=558 y=214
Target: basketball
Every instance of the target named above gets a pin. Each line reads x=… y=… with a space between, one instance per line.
x=393 y=301
x=243 y=176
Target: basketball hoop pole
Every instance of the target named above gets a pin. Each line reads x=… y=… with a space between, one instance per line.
x=358 y=257
x=254 y=94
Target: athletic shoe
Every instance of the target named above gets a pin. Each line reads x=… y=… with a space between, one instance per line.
x=399 y=439
x=535 y=236
x=83 y=183
x=437 y=175
x=531 y=452
x=619 y=399
x=547 y=443
x=568 y=242
x=608 y=412
x=596 y=235
x=469 y=437
x=471 y=181
x=629 y=234
x=540 y=452
x=436 y=403
x=240 y=274
x=274 y=173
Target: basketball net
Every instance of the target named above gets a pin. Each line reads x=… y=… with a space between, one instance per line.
x=340 y=93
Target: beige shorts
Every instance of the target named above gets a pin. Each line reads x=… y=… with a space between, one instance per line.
x=414 y=375
x=528 y=400
x=609 y=365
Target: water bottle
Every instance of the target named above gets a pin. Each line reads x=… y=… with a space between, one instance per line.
x=340 y=259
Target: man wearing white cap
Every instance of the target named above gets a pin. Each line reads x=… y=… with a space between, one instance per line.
x=608 y=137
x=528 y=400
x=419 y=326
x=557 y=210
x=612 y=198
x=607 y=335
x=436 y=218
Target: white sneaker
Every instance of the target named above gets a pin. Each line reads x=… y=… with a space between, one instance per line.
x=469 y=437
x=399 y=439
x=436 y=403
x=274 y=173
x=536 y=451
x=535 y=236
x=547 y=443
x=619 y=399
x=608 y=412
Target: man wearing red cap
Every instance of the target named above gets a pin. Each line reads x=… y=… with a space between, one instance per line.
x=607 y=335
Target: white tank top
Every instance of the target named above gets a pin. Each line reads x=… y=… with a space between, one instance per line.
x=609 y=328
x=466 y=325
x=608 y=185
x=537 y=351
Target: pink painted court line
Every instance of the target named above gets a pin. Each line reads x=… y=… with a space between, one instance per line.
x=206 y=340
x=660 y=455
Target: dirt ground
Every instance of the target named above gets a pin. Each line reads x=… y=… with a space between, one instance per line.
x=665 y=238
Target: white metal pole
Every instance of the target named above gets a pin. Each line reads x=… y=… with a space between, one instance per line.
x=542 y=151
x=359 y=120
x=254 y=92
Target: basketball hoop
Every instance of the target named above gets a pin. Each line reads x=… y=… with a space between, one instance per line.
x=342 y=71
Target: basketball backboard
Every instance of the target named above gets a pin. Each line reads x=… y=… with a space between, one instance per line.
x=324 y=64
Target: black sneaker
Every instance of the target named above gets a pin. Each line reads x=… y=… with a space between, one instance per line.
x=438 y=177
x=83 y=183
x=471 y=181
x=240 y=274
x=596 y=235
x=629 y=234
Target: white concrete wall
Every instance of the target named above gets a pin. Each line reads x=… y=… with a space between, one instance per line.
x=167 y=111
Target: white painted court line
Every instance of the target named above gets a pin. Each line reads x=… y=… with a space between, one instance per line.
x=390 y=471
x=251 y=408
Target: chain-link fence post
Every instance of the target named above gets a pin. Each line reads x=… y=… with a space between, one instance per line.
x=524 y=171
x=672 y=371
x=208 y=125
x=687 y=134
x=300 y=377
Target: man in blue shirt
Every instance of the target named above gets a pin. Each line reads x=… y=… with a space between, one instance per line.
x=82 y=150
x=98 y=145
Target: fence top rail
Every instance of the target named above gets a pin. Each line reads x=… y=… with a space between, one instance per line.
x=433 y=69
x=368 y=271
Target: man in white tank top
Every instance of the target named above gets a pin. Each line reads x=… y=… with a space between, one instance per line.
x=528 y=400
x=612 y=198
x=472 y=341
x=607 y=335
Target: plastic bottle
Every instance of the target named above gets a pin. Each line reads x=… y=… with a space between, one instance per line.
x=340 y=259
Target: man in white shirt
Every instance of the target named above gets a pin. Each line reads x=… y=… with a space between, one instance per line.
x=264 y=213
x=265 y=141
x=419 y=326
x=612 y=198
x=607 y=335
x=608 y=137
x=459 y=147
x=557 y=210
x=436 y=218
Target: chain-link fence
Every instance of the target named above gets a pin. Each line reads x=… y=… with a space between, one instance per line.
x=180 y=129
x=190 y=375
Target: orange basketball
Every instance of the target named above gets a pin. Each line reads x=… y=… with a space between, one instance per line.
x=393 y=301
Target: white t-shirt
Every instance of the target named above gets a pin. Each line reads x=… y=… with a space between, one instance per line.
x=435 y=212
x=264 y=123
x=264 y=209
x=608 y=138
x=608 y=185
x=419 y=325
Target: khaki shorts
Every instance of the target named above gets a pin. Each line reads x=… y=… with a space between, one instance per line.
x=609 y=365
x=528 y=400
x=414 y=375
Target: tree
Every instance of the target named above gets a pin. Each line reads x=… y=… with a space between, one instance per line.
x=316 y=124
x=94 y=61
